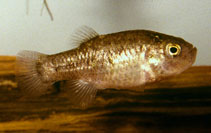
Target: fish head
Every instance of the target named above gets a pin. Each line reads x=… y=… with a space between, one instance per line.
x=179 y=55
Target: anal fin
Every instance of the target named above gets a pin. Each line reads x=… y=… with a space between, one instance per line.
x=80 y=93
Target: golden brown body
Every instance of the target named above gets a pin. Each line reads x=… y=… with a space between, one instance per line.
x=120 y=60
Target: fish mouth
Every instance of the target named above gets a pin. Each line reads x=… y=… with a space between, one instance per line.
x=194 y=49
x=193 y=53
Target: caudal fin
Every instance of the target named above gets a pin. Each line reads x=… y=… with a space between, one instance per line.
x=29 y=80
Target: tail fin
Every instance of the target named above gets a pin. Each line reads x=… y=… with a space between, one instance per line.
x=29 y=80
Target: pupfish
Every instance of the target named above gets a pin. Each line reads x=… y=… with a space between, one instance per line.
x=122 y=60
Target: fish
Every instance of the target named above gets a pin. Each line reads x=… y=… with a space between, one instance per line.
x=122 y=60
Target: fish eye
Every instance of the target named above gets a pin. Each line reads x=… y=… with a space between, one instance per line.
x=173 y=49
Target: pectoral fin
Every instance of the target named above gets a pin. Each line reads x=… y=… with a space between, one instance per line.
x=80 y=93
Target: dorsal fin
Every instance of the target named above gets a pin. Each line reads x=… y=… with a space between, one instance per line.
x=83 y=34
